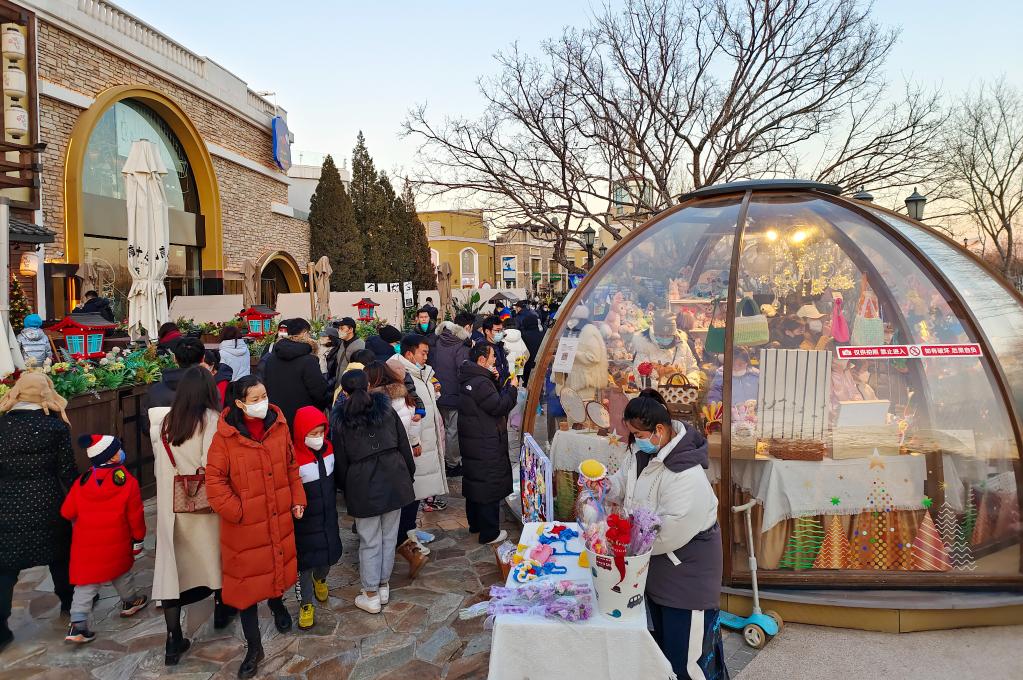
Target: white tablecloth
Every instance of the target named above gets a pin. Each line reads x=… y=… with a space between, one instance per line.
x=533 y=648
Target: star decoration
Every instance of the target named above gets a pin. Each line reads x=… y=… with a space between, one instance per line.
x=943 y=485
x=835 y=500
x=927 y=502
x=876 y=461
x=613 y=439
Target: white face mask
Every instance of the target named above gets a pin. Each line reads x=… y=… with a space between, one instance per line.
x=737 y=373
x=816 y=326
x=258 y=410
x=314 y=443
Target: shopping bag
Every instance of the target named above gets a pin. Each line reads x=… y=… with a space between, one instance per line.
x=750 y=326
x=868 y=328
x=839 y=326
x=715 y=343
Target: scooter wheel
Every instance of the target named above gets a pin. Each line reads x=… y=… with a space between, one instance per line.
x=754 y=635
x=777 y=619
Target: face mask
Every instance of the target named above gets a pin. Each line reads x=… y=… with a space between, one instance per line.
x=424 y=326
x=664 y=342
x=498 y=336
x=738 y=374
x=282 y=334
x=258 y=410
x=397 y=348
x=815 y=326
x=314 y=443
x=647 y=446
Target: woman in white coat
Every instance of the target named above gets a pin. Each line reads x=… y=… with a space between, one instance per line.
x=666 y=475
x=234 y=352
x=187 y=567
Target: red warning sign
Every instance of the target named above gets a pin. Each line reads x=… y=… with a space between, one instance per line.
x=910 y=351
x=880 y=352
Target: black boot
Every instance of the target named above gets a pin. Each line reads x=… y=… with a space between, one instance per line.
x=250 y=664
x=282 y=619
x=176 y=646
x=222 y=613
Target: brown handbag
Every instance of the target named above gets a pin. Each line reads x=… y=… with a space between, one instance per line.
x=189 y=490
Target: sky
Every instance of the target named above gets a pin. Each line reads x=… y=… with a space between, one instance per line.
x=339 y=67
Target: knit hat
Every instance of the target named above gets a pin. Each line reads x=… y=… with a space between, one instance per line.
x=33 y=321
x=390 y=334
x=347 y=321
x=100 y=447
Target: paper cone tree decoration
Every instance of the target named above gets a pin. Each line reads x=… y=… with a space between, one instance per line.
x=958 y=548
x=872 y=540
x=928 y=552
x=1007 y=520
x=802 y=548
x=900 y=541
x=834 y=552
x=984 y=522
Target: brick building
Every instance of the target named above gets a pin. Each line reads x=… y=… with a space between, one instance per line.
x=524 y=261
x=105 y=79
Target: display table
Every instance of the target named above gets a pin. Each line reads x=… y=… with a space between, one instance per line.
x=529 y=647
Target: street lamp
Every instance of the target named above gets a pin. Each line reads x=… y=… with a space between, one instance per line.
x=589 y=236
x=915 y=205
x=601 y=251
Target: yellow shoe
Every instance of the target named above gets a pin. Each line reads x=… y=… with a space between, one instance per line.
x=306 y=617
x=320 y=590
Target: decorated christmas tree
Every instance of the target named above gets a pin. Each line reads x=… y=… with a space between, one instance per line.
x=834 y=552
x=804 y=544
x=928 y=552
x=19 y=305
x=952 y=535
x=879 y=541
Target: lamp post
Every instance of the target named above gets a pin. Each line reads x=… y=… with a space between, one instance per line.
x=915 y=205
x=602 y=251
x=589 y=236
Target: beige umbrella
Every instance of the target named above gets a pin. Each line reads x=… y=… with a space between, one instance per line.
x=321 y=284
x=148 y=238
x=250 y=283
x=87 y=273
x=444 y=286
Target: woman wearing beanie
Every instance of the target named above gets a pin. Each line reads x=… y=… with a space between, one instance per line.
x=34 y=343
x=37 y=464
x=187 y=568
x=386 y=344
x=254 y=486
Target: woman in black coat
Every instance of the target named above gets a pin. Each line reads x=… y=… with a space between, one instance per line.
x=483 y=442
x=37 y=467
x=292 y=373
x=532 y=336
x=375 y=468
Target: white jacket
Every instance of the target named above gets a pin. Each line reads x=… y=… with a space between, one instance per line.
x=431 y=479
x=235 y=353
x=685 y=501
x=515 y=347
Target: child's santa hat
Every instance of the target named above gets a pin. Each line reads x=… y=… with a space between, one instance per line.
x=100 y=447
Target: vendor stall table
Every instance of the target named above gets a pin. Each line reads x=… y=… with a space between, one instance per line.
x=602 y=647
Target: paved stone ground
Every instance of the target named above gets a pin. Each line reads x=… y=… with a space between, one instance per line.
x=419 y=635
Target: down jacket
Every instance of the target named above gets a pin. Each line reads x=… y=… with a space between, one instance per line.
x=253 y=485
x=448 y=353
x=293 y=379
x=483 y=434
x=431 y=479
x=235 y=353
x=374 y=465
x=37 y=467
x=317 y=534
x=35 y=345
x=105 y=505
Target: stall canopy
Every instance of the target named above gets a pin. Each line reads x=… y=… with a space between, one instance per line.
x=148 y=238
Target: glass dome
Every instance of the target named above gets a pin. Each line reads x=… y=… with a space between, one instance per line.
x=858 y=374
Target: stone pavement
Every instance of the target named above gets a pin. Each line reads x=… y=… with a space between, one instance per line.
x=418 y=636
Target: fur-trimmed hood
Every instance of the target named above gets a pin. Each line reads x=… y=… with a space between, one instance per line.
x=453 y=329
x=380 y=408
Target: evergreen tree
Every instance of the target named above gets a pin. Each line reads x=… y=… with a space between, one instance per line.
x=19 y=308
x=371 y=204
x=333 y=231
x=420 y=265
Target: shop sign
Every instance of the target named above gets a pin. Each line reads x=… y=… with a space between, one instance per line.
x=565 y=356
x=282 y=145
x=369 y=287
x=509 y=267
x=395 y=287
x=406 y=289
x=910 y=351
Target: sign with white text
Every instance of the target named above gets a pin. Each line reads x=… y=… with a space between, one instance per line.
x=911 y=351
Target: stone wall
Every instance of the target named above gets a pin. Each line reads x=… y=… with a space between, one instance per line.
x=251 y=229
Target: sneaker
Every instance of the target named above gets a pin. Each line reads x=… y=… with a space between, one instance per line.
x=320 y=590
x=368 y=604
x=501 y=538
x=384 y=593
x=423 y=536
x=434 y=504
x=454 y=471
x=306 y=617
x=413 y=536
x=79 y=633
x=133 y=607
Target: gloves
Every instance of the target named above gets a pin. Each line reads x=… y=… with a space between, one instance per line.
x=136 y=549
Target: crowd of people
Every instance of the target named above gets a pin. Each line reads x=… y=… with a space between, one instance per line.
x=249 y=465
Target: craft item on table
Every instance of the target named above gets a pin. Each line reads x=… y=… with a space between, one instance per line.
x=565 y=600
x=619 y=534
x=597 y=413
x=960 y=555
x=793 y=395
x=530 y=569
x=645 y=369
x=804 y=545
x=559 y=534
x=928 y=552
x=645 y=525
x=593 y=478
x=677 y=390
x=834 y=550
x=541 y=553
x=536 y=483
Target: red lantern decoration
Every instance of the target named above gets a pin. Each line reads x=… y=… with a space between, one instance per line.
x=258 y=319
x=83 y=334
x=366 y=313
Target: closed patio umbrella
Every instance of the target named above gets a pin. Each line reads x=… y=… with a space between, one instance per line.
x=321 y=283
x=148 y=238
x=250 y=283
x=444 y=286
x=10 y=350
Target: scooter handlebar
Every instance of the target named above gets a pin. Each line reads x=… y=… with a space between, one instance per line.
x=744 y=507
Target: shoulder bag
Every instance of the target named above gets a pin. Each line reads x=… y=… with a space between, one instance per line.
x=189 y=490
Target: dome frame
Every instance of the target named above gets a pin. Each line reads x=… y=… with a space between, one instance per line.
x=803 y=190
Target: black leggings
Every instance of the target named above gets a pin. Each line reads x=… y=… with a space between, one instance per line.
x=250 y=620
x=407 y=521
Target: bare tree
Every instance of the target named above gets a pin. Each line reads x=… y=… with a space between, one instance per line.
x=983 y=164
x=666 y=96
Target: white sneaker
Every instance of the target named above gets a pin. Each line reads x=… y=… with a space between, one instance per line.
x=368 y=604
x=384 y=593
x=501 y=537
x=413 y=536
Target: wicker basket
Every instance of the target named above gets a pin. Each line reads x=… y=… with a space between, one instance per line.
x=797 y=449
x=566 y=489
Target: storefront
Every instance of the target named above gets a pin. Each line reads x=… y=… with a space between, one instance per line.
x=856 y=373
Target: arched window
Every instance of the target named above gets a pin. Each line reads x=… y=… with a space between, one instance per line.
x=469 y=261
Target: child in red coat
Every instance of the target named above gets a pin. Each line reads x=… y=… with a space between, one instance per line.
x=105 y=505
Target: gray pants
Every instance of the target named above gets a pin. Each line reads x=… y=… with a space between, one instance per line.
x=452 y=456
x=305 y=583
x=81 y=603
x=377 y=537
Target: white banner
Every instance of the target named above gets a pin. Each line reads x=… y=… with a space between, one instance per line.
x=407 y=293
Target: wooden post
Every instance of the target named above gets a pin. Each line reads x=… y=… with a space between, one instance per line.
x=312 y=291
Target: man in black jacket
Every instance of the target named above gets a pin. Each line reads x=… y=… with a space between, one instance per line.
x=292 y=373
x=450 y=351
x=483 y=440
x=94 y=304
x=491 y=331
